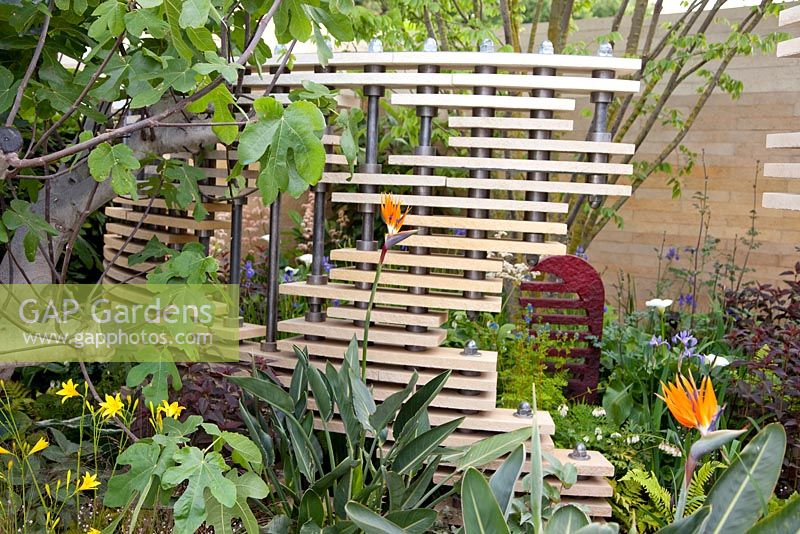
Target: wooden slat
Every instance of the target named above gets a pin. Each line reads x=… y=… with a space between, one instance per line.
x=433 y=358
x=336 y=329
x=782 y=170
x=454 y=80
x=430 y=281
x=432 y=261
x=115 y=242
x=783 y=201
x=382 y=179
x=584 y=487
x=392 y=297
x=789 y=48
x=146 y=234
x=455 y=202
x=222 y=192
x=789 y=15
x=166 y=220
x=511 y=123
x=161 y=203
x=548 y=145
x=124 y=276
x=390 y=374
x=457 y=101
x=488 y=245
x=570 y=63
x=546 y=187
x=783 y=140
x=506 y=164
x=492 y=225
x=252 y=331
x=388 y=316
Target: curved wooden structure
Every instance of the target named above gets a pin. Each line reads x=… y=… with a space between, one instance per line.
x=786 y=201
x=510 y=115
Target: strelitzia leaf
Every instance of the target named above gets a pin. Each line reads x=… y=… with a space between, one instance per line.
x=713 y=441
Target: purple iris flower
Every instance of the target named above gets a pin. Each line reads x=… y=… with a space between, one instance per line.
x=686 y=300
x=288 y=277
x=326 y=264
x=581 y=253
x=672 y=254
x=657 y=341
x=249 y=272
x=685 y=338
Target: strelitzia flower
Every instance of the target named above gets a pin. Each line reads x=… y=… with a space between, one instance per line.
x=40 y=445
x=690 y=406
x=660 y=304
x=394 y=217
x=88 y=482
x=112 y=406
x=68 y=391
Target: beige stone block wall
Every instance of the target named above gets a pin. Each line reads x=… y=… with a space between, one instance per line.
x=732 y=134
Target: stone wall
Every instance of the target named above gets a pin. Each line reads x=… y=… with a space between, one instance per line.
x=732 y=134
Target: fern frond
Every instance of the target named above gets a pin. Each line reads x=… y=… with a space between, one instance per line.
x=697 y=489
x=659 y=496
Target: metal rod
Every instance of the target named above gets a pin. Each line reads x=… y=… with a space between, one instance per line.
x=601 y=101
x=486 y=46
x=270 y=344
x=235 y=257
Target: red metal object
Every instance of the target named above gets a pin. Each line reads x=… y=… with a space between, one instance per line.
x=580 y=291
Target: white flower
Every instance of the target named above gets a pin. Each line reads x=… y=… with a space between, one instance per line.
x=717 y=361
x=598 y=412
x=599 y=437
x=264 y=237
x=661 y=304
x=306 y=259
x=586 y=439
x=631 y=440
x=616 y=435
x=290 y=271
x=562 y=410
x=672 y=450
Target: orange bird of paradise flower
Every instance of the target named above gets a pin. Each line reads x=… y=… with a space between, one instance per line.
x=394 y=217
x=691 y=406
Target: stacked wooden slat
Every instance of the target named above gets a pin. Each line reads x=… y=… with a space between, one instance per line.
x=456 y=250
x=787 y=201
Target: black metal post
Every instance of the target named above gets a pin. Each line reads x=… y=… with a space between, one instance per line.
x=477 y=213
x=539 y=176
x=426 y=115
x=270 y=344
x=235 y=257
x=370 y=166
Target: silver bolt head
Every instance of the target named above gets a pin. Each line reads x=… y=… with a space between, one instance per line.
x=579 y=452
x=487 y=45
x=430 y=45
x=524 y=410
x=605 y=50
x=470 y=349
x=547 y=48
x=375 y=45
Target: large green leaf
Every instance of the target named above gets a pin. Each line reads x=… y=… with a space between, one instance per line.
x=222 y=518
x=8 y=89
x=416 y=521
x=369 y=521
x=503 y=480
x=691 y=524
x=741 y=493
x=566 y=520
x=202 y=471
x=118 y=161
x=20 y=215
x=265 y=390
x=489 y=449
x=142 y=457
x=419 y=402
x=411 y=456
x=479 y=508
x=322 y=392
x=385 y=411
x=289 y=145
x=185 y=189
x=161 y=372
x=784 y=521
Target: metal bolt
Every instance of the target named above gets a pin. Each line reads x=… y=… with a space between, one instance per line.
x=470 y=349
x=547 y=48
x=605 y=50
x=375 y=45
x=487 y=45
x=579 y=452
x=524 y=410
x=430 y=45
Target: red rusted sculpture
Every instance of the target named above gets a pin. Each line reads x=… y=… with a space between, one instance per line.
x=580 y=294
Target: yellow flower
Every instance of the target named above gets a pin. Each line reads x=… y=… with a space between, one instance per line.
x=111 y=407
x=173 y=410
x=3 y=450
x=41 y=445
x=88 y=482
x=68 y=391
x=690 y=406
x=93 y=531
